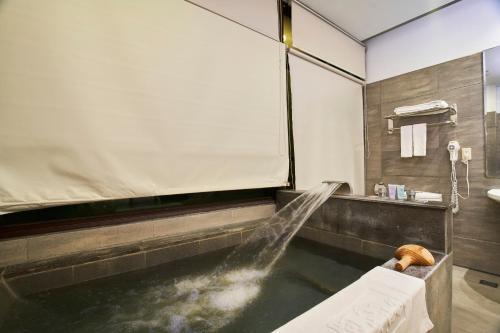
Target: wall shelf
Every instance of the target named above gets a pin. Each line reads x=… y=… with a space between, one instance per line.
x=452 y=110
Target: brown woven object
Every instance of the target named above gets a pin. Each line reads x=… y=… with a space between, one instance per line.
x=412 y=254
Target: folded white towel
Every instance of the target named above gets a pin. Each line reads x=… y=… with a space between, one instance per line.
x=420 y=139
x=382 y=300
x=428 y=196
x=421 y=108
x=406 y=141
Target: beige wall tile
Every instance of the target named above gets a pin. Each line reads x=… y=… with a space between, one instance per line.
x=409 y=85
x=481 y=255
x=460 y=72
x=64 y=243
x=191 y=223
x=58 y=244
x=220 y=218
x=373 y=94
x=243 y=214
x=12 y=251
x=124 y=233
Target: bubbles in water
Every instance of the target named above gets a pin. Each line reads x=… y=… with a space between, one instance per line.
x=177 y=323
x=194 y=295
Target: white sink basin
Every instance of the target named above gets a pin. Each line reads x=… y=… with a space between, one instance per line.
x=494 y=194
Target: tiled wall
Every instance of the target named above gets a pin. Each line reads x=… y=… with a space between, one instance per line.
x=477 y=226
x=46 y=246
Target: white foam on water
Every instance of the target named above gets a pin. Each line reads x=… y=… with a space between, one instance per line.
x=239 y=287
x=134 y=325
x=234 y=297
x=223 y=292
x=245 y=274
x=188 y=285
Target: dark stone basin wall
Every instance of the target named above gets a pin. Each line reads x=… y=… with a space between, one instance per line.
x=374 y=226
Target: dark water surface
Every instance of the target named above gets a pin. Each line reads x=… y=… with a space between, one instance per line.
x=307 y=274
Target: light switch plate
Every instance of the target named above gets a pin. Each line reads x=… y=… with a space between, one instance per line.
x=466 y=154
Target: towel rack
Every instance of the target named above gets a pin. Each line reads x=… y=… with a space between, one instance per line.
x=452 y=109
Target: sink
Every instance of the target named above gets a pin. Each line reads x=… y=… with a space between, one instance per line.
x=494 y=194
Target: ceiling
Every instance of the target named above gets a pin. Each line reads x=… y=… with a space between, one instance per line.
x=367 y=18
x=492 y=66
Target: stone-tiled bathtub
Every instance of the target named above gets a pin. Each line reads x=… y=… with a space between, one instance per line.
x=366 y=226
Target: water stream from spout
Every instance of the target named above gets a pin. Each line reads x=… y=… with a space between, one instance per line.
x=208 y=302
x=268 y=242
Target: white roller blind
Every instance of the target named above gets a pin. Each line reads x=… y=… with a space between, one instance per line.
x=327 y=114
x=260 y=15
x=313 y=35
x=106 y=99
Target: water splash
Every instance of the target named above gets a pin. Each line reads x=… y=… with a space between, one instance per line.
x=208 y=302
x=7 y=288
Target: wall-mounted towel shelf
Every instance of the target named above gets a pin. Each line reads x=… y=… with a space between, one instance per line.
x=452 y=110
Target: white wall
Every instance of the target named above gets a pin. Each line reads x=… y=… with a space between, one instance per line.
x=464 y=28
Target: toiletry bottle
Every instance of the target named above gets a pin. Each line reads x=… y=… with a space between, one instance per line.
x=392 y=191
x=401 y=193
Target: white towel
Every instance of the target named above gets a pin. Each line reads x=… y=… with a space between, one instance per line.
x=420 y=139
x=428 y=196
x=382 y=300
x=406 y=141
x=421 y=108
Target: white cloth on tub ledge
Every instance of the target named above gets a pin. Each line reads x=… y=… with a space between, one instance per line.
x=381 y=301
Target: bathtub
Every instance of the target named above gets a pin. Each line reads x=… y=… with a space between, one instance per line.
x=127 y=287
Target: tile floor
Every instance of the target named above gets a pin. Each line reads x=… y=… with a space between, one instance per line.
x=476 y=307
